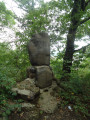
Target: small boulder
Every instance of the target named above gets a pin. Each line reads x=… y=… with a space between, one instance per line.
x=27 y=89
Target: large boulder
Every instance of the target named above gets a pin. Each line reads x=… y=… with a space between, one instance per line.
x=39 y=49
x=44 y=76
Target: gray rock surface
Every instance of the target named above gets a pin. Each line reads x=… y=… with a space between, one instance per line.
x=39 y=49
x=27 y=89
x=44 y=76
x=47 y=101
x=28 y=105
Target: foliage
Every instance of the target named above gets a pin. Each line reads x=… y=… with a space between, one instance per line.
x=5 y=91
x=8 y=108
x=28 y=5
x=12 y=68
x=34 y=21
x=56 y=65
x=12 y=64
x=76 y=91
x=9 y=74
x=6 y=16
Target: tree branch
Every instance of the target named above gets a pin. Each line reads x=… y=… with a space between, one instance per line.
x=83 y=5
x=85 y=20
x=87 y=3
x=83 y=48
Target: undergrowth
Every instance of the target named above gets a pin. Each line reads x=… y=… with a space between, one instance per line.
x=77 y=91
x=6 y=95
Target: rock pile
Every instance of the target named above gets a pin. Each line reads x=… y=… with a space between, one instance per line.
x=39 y=82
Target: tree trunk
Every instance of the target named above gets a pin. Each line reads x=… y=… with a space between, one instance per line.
x=68 y=57
x=75 y=22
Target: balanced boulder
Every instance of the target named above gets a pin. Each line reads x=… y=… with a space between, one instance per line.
x=39 y=49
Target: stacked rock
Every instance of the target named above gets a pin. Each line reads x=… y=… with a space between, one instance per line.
x=39 y=54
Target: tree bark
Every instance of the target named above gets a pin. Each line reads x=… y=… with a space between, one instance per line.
x=75 y=22
x=68 y=57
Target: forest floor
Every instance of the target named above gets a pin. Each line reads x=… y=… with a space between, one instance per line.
x=60 y=114
x=65 y=112
x=37 y=109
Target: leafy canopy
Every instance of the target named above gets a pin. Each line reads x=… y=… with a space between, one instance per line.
x=6 y=16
